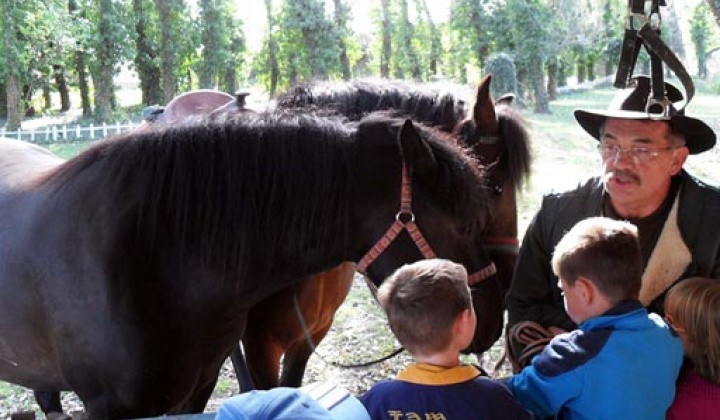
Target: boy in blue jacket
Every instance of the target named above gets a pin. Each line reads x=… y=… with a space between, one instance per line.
x=621 y=362
x=429 y=308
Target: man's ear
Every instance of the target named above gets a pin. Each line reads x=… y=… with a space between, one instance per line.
x=679 y=157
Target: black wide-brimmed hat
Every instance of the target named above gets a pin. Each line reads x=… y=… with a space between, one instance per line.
x=631 y=103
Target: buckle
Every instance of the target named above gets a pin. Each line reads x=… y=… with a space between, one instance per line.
x=660 y=109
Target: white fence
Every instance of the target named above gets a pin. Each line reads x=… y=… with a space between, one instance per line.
x=69 y=133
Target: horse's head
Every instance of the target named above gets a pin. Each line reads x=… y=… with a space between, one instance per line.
x=440 y=211
x=497 y=136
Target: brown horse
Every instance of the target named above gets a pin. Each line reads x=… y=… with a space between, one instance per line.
x=496 y=135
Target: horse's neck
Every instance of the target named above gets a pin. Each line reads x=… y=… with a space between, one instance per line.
x=21 y=162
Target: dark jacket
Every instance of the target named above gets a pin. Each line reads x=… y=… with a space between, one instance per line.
x=534 y=294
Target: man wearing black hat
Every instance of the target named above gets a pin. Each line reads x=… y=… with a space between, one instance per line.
x=678 y=217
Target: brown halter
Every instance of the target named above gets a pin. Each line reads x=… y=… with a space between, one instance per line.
x=405 y=220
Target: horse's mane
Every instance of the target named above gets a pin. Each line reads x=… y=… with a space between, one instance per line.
x=516 y=138
x=436 y=106
x=239 y=192
x=230 y=190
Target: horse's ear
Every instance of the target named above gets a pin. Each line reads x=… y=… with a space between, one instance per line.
x=506 y=99
x=484 y=108
x=416 y=152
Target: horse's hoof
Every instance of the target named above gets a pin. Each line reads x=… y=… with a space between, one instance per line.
x=80 y=415
x=23 y=415
x=54 y=415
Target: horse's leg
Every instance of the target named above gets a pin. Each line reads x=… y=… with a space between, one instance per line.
x=316 y=301
x=242 y=372
x=48 y=401
x=297 y=357
x=200 y=396
x=263 y=361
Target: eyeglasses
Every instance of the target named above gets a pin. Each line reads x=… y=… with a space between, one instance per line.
x=639 y=154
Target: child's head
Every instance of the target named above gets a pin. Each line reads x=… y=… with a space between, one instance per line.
x=423 y=301
x=692 y=307
x=598 y=256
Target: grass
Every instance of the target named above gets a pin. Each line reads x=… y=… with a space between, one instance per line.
x=563 y=155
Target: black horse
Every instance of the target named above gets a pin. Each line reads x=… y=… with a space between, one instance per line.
x=128 y=271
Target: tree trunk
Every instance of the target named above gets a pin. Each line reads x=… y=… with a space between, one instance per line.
x=167 y=49
x=591 y=70
x=434 y=41
x=211 y=26
x=148 y=70
x=542 y=105
x=272 y=50
x=476 y=22
x=47 y=97
x=229 y=79
x=341 y=22
x=14 y=111
x=3 y=100
x=81 y=67
x=26 y=94
x=61 y=81
x=581 y=70
x=83 y=84
x=386 y=53
x=552 y=80
x=406 y=42
x=562 y=75
x=103 y=73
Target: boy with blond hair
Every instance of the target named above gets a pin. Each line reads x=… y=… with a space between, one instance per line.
x=621 y=362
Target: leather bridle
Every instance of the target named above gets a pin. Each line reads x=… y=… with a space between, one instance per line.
x=643 y=29
x=405 y=220
x=497 y=244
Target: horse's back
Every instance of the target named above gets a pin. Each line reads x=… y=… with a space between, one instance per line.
x=21 y=162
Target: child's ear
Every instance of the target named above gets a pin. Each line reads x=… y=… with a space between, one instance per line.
x=587 y=290
x=465 y=325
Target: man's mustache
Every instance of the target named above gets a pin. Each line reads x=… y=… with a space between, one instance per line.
x=622 y=175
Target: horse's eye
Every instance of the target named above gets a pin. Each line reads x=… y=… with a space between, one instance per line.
x=467 y=229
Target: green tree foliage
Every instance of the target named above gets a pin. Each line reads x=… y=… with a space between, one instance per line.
x=504 y=73
x=110 y=46
x=266 y=66
x=177 y=41
x=408 y=45
x=714 y=6
x=222 y=43
x=700 y=31
x=521 y=29
x=235 y=60
x=468 y=40
x=34 y=43
x=176 y=45
x=147 y=50
x=307 y=46
x=341 y=19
